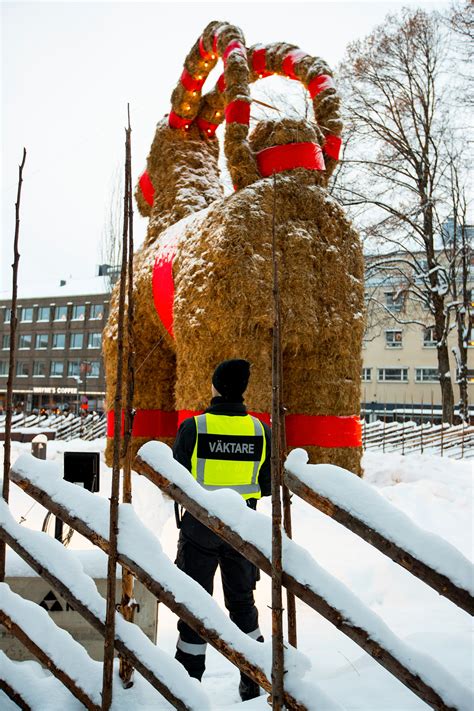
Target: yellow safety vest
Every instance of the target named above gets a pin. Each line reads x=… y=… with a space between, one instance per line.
x=228 y=453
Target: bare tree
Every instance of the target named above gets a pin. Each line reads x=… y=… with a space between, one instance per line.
x=397 y=170
x=111 y=238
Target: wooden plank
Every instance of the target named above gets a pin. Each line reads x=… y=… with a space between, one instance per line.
x=59 y=673
x=91 y=618
x=14 y=695
x=441 y=583
x=208 y=634
x=309 y=596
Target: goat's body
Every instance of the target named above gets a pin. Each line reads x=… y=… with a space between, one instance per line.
x=223 y=306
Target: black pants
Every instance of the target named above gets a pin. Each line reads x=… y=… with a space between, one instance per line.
x=199 y=553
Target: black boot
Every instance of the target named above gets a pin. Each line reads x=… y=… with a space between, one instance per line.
x=248 y=689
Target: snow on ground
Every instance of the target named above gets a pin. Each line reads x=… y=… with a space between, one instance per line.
x=436 y=493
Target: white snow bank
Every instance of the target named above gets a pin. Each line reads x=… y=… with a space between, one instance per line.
x=138 y=543
x=65 y=566
x=297 y=562
x=362 y=501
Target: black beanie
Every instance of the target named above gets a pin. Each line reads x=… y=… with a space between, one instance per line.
x=230 y=379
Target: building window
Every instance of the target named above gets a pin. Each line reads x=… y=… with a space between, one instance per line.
x=470 y=375
x=470 y=342
x=429 y=338
x=94 y=369
x=97 y=311
x=392 y=375
x=77 y=340
x=393 y=339
x=366 y=375
x=57 y=368
x=393 y=301
x=6 y=342
x=26 y=314
x=8 y=315
x=3 y=368
x=39 y=369
x=426 y=375
x=95 y=340
x=44 y=313
x=78 y=312
x=24 y=342
x=59 y=340
x=73 y=369
x=60 y=313
x=22 y=369
x=41 y=341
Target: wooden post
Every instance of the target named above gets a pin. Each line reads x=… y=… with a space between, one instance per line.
x=114 y=498
x=128 y=604
x=11 y=366
x=276 y=470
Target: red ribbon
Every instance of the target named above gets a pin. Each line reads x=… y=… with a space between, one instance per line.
x=214 y=44
x=290 y=156
x=175 y=121
x=146 y=186
x=301 y=430
x=202 y=50
x=259 y=63
x=237 y=112
x=234 y=45
x=319 y=84
x=221 y=83
x=288 y=64
x=163 y=286
x=332 y=146
x=191 y=83
x=206 y=127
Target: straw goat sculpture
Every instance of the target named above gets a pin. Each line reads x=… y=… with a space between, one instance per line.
x=203 y=277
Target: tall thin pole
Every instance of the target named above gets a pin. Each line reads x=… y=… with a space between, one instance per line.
x=128 y=605
x=287 y=525
x=276 y=469
x=11 y=367
x=114 y=498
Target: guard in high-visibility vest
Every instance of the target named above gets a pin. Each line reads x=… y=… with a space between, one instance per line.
x=223 y=448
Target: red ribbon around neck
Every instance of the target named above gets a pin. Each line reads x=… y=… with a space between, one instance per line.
x=326 y=431
x=146 y=186
x=290 y=156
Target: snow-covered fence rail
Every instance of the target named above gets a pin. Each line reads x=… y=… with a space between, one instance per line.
x=140 y=552
x=456 y=441
x=250 y=533
x=52 y=646
x=57 y=566
x=360 y=508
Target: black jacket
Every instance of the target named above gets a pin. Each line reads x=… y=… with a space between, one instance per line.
x=186 y=439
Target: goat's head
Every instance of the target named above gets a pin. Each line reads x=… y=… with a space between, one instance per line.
x=185 y=140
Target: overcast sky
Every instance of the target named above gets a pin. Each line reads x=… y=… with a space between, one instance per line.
x=68 y=71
